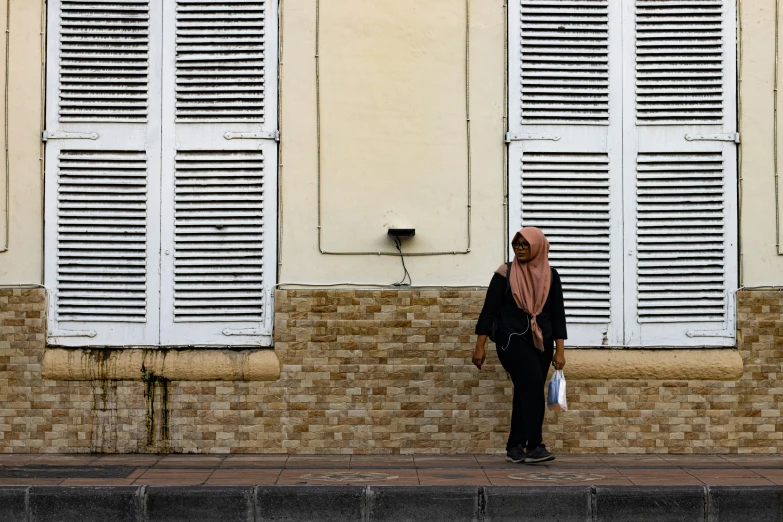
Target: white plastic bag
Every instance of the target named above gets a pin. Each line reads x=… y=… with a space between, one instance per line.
x=556 y=398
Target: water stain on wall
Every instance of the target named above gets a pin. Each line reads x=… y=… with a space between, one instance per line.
x=104 y=426
x=104 y=415
x=156 y=398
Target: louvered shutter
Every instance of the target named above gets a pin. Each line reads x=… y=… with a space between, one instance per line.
x=565 y=128
x=102 y=172
x=680 y=173
x=220 y=172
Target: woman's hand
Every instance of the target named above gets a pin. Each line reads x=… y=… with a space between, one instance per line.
x=559 y=360
x=480 y=352
x=559 y=357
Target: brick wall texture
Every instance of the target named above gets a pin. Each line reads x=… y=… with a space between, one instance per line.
x=379 y=372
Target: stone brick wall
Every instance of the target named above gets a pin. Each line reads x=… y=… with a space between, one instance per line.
x=381 y=371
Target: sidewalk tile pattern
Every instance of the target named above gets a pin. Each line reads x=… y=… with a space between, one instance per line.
x=461 y=470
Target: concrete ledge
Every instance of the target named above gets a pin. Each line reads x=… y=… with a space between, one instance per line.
x=86 y=504
x=651 y=504
x=392 y=503
x=569 y=504
x=62 y=364
x=13 y=504
x=664 y=364
x=759 y=504
x=423 y=503
x=206 y=503
x=323 y=503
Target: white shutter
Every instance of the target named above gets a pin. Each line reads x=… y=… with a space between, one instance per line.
x=680 y=173
x=221 y=56
x=220 y=172
x=104 y=60
x=564 y=158
x=102 y=172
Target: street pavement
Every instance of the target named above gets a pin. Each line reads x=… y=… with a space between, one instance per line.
x=390 y=488
x=390 y=470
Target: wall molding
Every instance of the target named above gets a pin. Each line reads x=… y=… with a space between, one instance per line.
x=130 y=364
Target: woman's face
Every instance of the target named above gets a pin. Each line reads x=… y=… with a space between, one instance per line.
x=521 y=250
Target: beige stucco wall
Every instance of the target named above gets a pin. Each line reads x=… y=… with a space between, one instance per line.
x=393 y=139
x=761 y=265
x=22 y=263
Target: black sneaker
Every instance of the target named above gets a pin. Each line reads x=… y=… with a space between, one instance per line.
x=538 y=454
x=516 y=455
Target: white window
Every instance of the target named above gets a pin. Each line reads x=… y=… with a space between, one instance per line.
x=622 y=127
x=161 y=172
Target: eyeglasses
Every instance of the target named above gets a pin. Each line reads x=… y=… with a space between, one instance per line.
x=520 y=245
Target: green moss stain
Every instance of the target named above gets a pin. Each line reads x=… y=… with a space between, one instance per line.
x=104 y=426
x=156 y=399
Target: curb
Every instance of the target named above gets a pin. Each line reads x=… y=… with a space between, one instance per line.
x=391 y=503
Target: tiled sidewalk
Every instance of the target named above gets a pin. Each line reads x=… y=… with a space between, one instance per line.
x=395 y=470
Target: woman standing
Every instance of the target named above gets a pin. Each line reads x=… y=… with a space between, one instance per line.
x=524 y=307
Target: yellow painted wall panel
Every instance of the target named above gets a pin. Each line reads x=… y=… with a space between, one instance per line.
x=393 y=123
x=393 y=139
x=760 y=263
x=23 y=261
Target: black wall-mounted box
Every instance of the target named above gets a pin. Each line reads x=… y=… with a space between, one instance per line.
x=402 y=232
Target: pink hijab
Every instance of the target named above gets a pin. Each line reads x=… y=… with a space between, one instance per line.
x=530 y=281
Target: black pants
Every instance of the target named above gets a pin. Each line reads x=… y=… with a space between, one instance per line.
x=527 y=367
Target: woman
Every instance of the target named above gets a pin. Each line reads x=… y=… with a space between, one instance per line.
x=524 y=307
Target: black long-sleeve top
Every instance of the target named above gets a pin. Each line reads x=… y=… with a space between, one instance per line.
x=500 y=303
